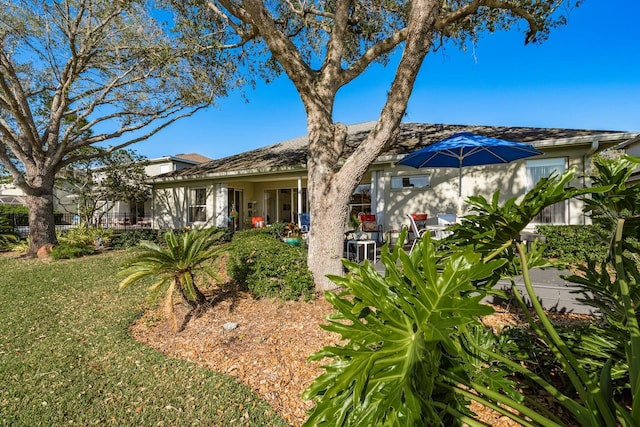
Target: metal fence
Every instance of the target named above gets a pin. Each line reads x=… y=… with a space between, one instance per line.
x=64 y=221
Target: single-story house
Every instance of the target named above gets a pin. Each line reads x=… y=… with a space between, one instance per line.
x=271 y=182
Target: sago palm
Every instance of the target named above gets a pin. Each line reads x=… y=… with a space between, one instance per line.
x=174 y=266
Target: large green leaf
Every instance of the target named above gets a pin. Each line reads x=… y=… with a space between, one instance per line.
x=397 y=328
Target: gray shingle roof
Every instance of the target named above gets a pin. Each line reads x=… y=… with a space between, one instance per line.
x=292 y=154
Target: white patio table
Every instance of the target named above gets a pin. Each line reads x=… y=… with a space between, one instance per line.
x=355 y=245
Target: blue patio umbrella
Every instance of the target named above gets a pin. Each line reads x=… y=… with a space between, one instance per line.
x=468 y=149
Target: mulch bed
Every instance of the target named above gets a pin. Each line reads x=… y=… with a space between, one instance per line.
x=268 y=350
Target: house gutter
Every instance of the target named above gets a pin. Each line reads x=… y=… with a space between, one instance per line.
x=583 y=140
x=227 y=174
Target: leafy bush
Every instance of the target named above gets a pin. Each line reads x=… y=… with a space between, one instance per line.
x=131 y=238
x=268 y=267
x=277 y=230
x=417 y=355
x=13 y=209
x=574 y=243
x=223 y=234
x=7 y=235
x=69 y=251
x=403 y=331
x=84 y=235
x=15 y=214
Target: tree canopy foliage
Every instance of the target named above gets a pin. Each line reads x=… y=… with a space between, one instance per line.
x=77 y=73
x=102 y=177
x=324 y=45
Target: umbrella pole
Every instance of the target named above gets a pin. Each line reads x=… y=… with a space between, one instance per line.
x=460 y=190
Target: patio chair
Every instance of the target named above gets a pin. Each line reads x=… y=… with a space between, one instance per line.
x=420 y=219
x=257 y=222
x=304 y=222
x=445 y=219
x=370 y=225
x=417 y=230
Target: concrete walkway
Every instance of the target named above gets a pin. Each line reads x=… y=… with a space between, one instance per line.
x=552 y=291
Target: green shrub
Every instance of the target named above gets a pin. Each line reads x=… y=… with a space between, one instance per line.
x=85 y=235
x=221 y=234
x=13 y=209
x=402 y=358
x=268 y=267
x=69 y=251
x=277 y=230
x=131 y=238
x=7 y=236
x=574 y=243
x=15 y=214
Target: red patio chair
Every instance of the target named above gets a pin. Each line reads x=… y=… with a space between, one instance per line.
x=369 y=224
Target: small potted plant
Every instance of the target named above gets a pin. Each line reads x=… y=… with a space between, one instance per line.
x=356 y=225
x=292 y=234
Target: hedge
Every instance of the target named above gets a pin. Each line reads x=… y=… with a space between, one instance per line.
x=268 y=267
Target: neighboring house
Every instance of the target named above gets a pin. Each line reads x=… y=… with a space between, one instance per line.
x=125 y=210
x=271 y=182
x=66 y=202
x=10 y=195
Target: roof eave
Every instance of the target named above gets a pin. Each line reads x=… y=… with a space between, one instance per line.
x=227 y=174
x=584 y=140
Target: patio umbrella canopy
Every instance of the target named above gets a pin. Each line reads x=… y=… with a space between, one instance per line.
x=468 y=149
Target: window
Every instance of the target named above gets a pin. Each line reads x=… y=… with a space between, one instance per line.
x=197 y=205
x=413 y=181
x=282 y=204
x=538 y=169
x=360 y=200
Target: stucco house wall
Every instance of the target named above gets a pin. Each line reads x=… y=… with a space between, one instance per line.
x=250 y=179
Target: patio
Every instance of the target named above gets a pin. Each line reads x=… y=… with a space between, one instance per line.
x=552 y=291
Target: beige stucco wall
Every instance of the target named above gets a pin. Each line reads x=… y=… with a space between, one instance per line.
x=170 y=200
x=169 y=207
x=442 y=194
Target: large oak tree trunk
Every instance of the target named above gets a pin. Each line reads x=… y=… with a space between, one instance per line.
x=329 y=195
x=332 y=179
x=331 y=183
x=38 y=188
x=42 y=229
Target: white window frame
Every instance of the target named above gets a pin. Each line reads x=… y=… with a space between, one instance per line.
x=363 y=207
x=193 y=204
x=410 y=182
x=557 y=165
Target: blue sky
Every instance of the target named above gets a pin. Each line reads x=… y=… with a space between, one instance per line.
x=586 y=76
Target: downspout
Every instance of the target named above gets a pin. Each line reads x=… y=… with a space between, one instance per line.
x=586 y=163
x=153 y=208
x=300 y=210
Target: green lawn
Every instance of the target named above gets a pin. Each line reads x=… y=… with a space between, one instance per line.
x=66 y=356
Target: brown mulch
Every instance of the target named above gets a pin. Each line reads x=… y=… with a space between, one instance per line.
x=268 y=350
